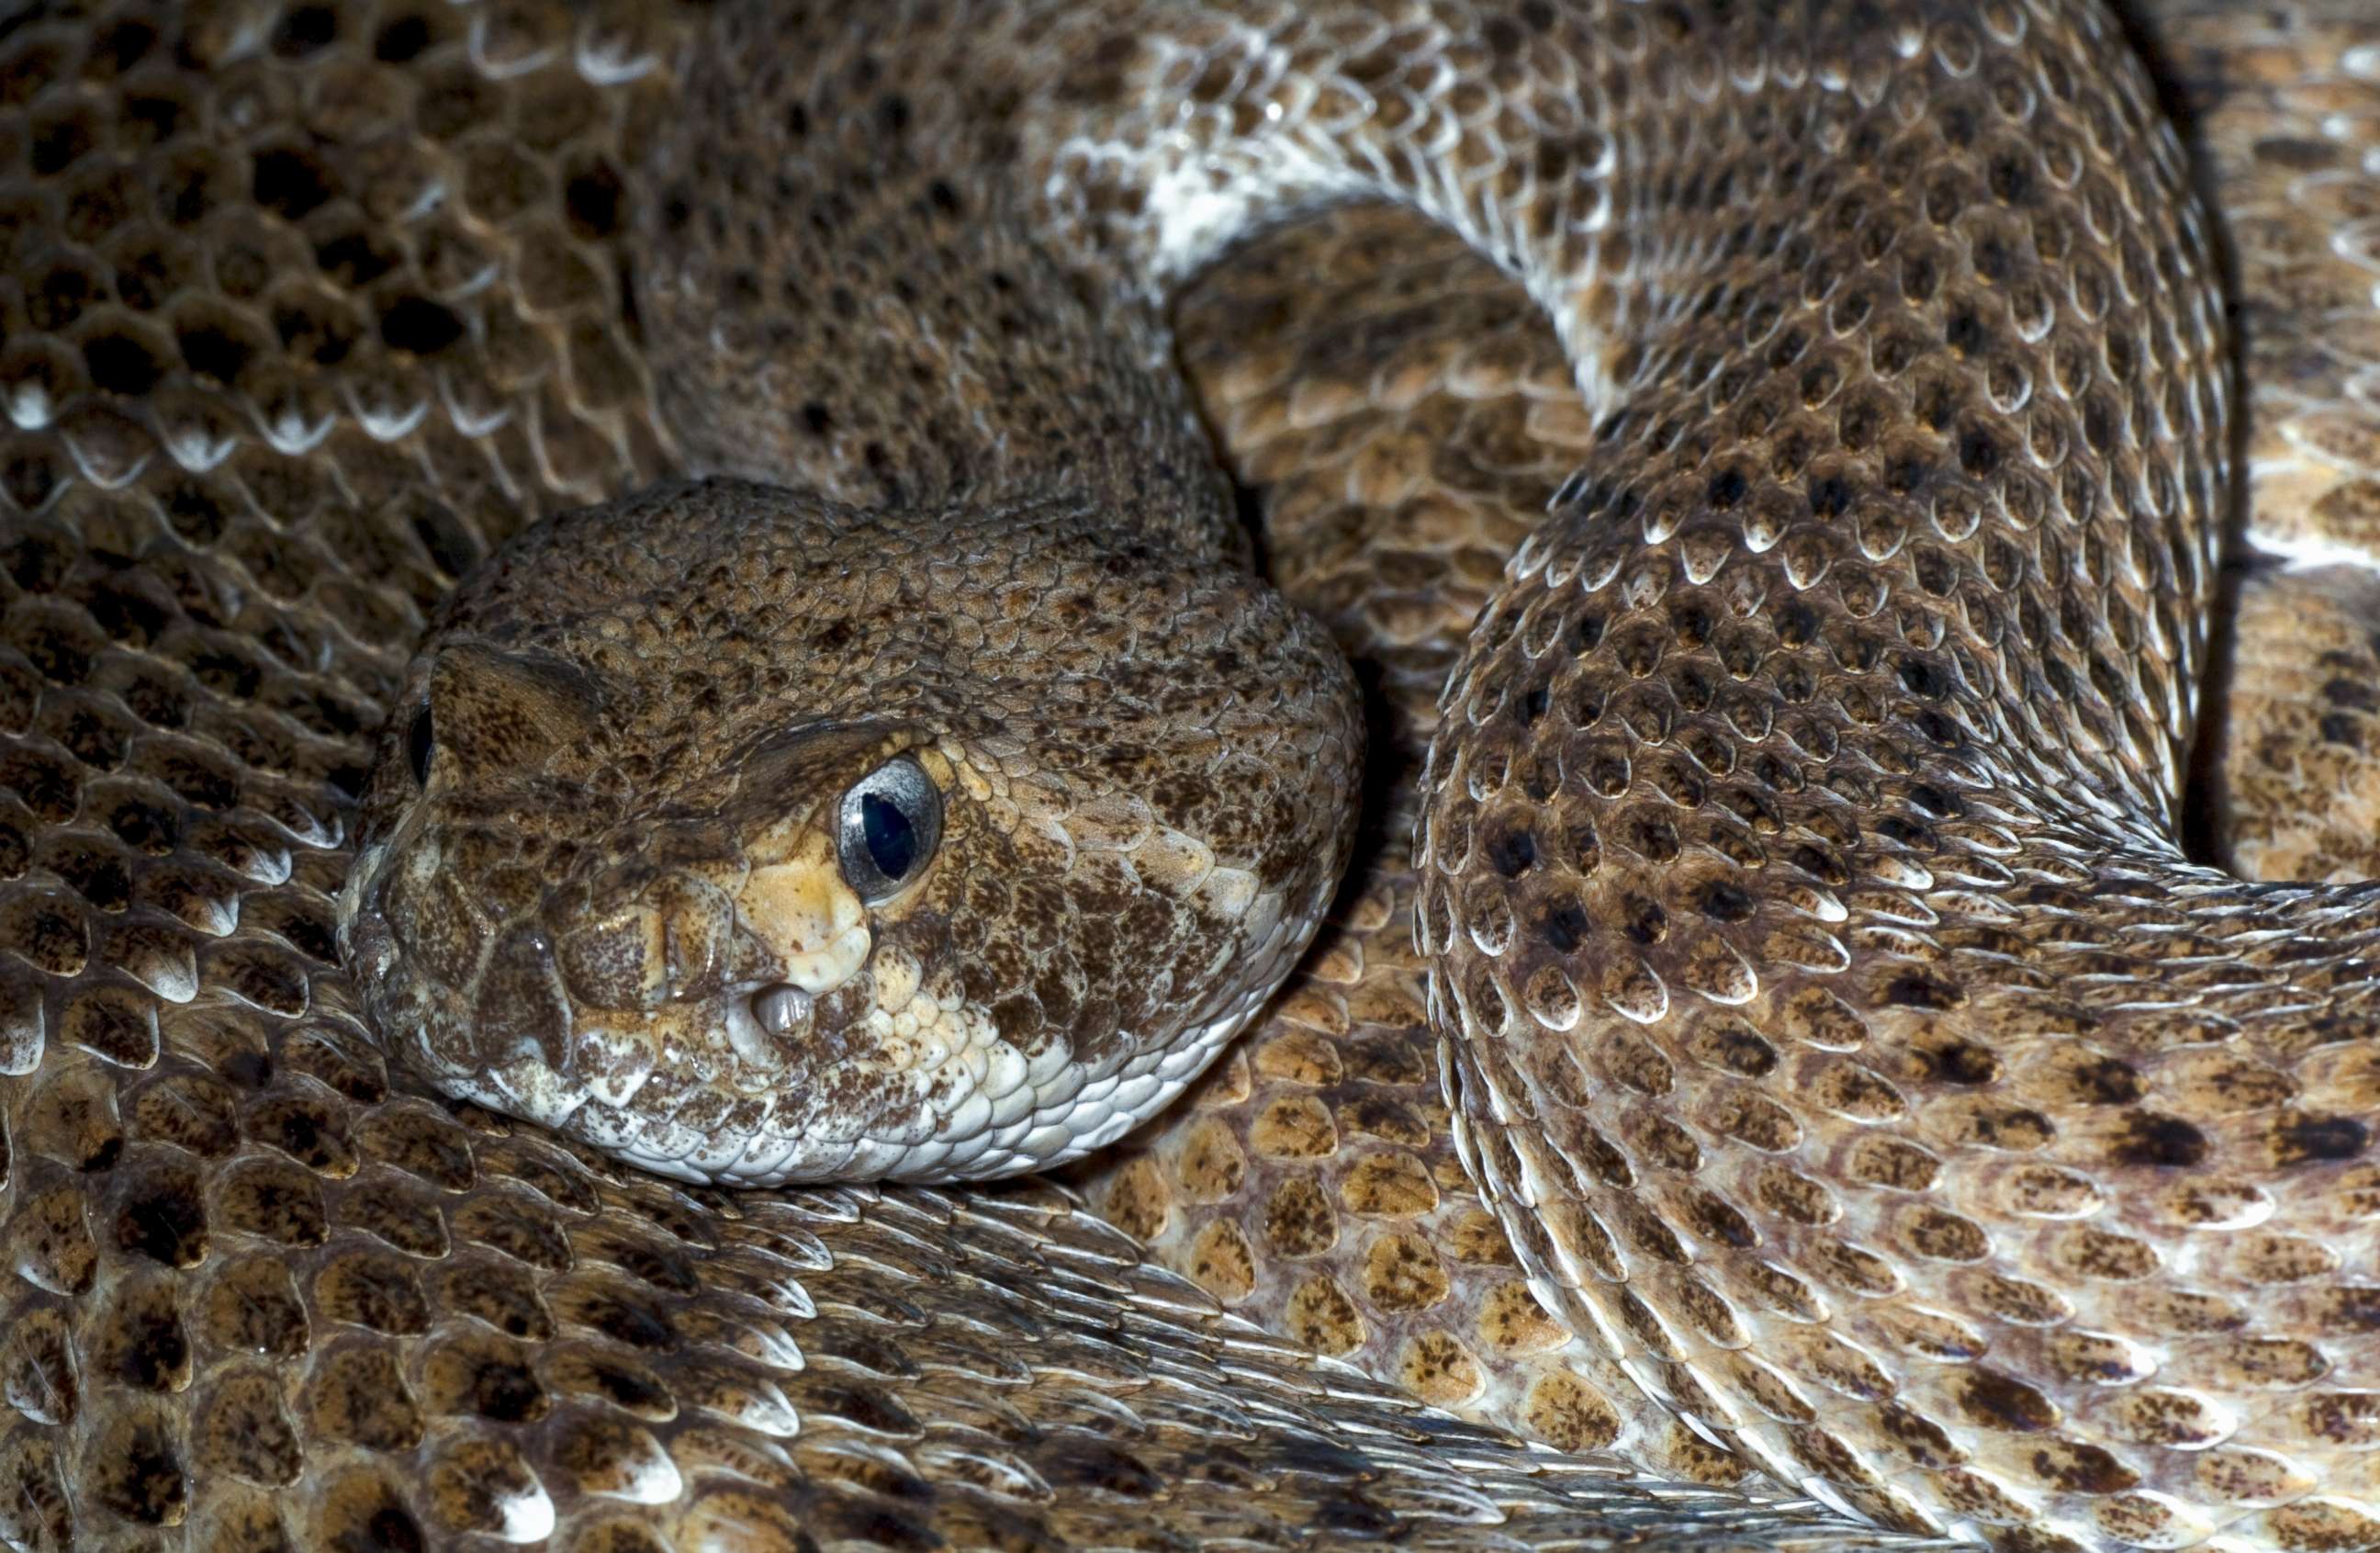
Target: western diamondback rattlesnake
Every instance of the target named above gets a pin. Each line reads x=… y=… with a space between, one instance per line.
x=316 y=302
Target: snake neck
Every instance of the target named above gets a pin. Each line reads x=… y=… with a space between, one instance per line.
x=846 y=289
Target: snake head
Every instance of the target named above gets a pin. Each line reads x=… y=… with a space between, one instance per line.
x=739 y=836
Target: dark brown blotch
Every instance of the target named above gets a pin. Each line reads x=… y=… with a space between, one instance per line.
x=2309 y=1140
x=2163 y=1142
x=1994 y=1400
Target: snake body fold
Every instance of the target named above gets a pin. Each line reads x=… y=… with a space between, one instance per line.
x=1861 y=1076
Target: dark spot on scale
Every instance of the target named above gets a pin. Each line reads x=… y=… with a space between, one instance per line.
x=1642 y=921
x=1565 y=927
x=2297 y=153
x=2308 y=1140
x=1093 y=1466
x=1979 y=455
x=154 y=1350
x=1916 y=989
x=250 y=1069
x=1934 y=801
x=401 y=40
x=165 y=1223
x=1994 y=259
x=1514 y=853
x=1925 y=678
x=1939 y=730
x=1745 y=1052
x=2348 y=693
x=1830 y=496
x=1724 y=900
x=143 y=1482
x=2010 y=179
x=2084 y=1469
x=625 y=1388
x=592 y=201
x=1997 y=1401
x=1965 y=1062
x=213 y=352
x=305 y=31
x=2163 y=1141
x=419 y=325
x=2107 y=1082
x=121 y=364
x=390 y=1530
x=869 y=1407
x=817 y=418
x=1353 y=1519
x=288 y=184
x=505 y=1392
x=1892 y=828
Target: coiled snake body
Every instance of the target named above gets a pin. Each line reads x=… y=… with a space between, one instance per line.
x=1873 y=1098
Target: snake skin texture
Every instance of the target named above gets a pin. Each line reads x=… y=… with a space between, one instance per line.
x=309 y=307
x=1344 y=418
x=1404 y=434
x=2291 y=135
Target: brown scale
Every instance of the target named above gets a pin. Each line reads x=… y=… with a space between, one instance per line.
x=1403 y=422
x=2017 y=1069
x=2291 y=129
x=2271 y=656
x=263 y=1294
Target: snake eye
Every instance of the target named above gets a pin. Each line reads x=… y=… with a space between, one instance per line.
x=420 y=744
x=890 y=824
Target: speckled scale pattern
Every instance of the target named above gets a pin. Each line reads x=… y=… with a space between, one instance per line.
x=2291 y=106
x=1404 y=420
x=392 y=232
x=1927 y=1130
x=356 y=319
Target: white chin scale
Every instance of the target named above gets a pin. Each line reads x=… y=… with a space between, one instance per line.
x=1062 y=1120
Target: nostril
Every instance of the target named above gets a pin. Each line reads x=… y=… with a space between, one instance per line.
x=781 y=1008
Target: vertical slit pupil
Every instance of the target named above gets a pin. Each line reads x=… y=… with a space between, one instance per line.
x=892 y=839
x=420 y=743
